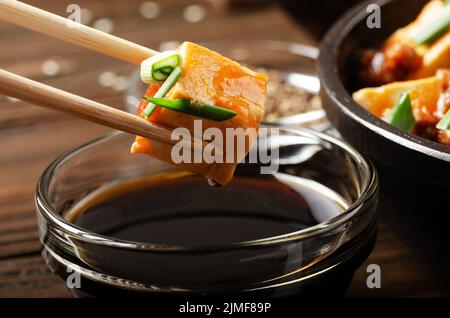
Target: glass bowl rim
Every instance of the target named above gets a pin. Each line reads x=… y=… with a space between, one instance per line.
x=369 y=188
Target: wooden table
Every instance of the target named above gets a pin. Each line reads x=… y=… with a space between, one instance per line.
x=31 y=137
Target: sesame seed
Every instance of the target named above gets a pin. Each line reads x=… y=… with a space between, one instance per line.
x=120 y=83
x=149 y=10
x=107 y=79
x=86 y=16
x=50 y=68
x=168 y=45
x=194 y=13
x=104 y=24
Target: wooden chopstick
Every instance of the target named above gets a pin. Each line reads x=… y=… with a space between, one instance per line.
x=50 y=97
x=44 y=22
x=50 y=24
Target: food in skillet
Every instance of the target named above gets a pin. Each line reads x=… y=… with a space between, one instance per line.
x=195 y=83
x=419 y=106
x=413 y=65
x=415 y=51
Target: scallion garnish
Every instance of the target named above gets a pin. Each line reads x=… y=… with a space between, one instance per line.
x=434 y=29
x=444 y=123
x=402 y=116
x=163 y=90
x=186 y=106
x=159 y=67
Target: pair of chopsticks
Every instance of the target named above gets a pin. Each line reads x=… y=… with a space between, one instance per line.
x=44 y=22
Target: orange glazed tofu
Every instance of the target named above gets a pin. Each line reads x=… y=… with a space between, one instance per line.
x=208 y=78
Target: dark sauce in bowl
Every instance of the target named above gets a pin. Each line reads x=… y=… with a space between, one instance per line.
x=180 y=209
x=187 y=211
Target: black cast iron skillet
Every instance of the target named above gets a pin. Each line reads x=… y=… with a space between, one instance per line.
x=393 y=148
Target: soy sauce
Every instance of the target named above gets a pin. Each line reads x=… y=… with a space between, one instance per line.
x=185 y=210
x=180 y=209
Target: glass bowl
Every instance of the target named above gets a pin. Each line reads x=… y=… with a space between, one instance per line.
x=294 y=64
x=319 y=259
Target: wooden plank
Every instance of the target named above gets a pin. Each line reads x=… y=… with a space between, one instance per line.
x=29 y=277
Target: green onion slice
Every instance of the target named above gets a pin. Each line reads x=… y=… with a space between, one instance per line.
x=434 y=29
x=402 y=116
x=163 y=90
x=444 y=123
x=159 y=67
x=186 y=106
